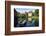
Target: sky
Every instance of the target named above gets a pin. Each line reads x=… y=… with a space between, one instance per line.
x=23 y=10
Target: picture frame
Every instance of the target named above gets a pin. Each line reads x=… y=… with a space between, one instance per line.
x=9 y=21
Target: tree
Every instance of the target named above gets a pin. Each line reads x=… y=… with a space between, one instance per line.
x=36 y=12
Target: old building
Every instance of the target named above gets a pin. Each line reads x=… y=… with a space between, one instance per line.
x=29 y=16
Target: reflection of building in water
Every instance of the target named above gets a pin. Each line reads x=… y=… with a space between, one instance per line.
x=29 y=16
